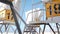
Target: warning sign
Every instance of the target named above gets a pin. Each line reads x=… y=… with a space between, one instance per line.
x=6 y=15
x=52 y=9
x=9 y=15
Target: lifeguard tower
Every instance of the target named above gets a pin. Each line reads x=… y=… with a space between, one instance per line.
x=52 y=9
x=9 y=15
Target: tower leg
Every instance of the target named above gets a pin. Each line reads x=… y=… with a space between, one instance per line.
x=15 y=18
x=51 y=28
x=44 y=29
x=57 y=27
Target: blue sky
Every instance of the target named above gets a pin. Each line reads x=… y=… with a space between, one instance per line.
x=27 y=7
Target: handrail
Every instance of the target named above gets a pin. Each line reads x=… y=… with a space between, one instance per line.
x=35 y=11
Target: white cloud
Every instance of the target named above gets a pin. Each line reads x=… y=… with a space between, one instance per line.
x=5 y=6
x=35 y=15
x=17 y=4
x=46 y=0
